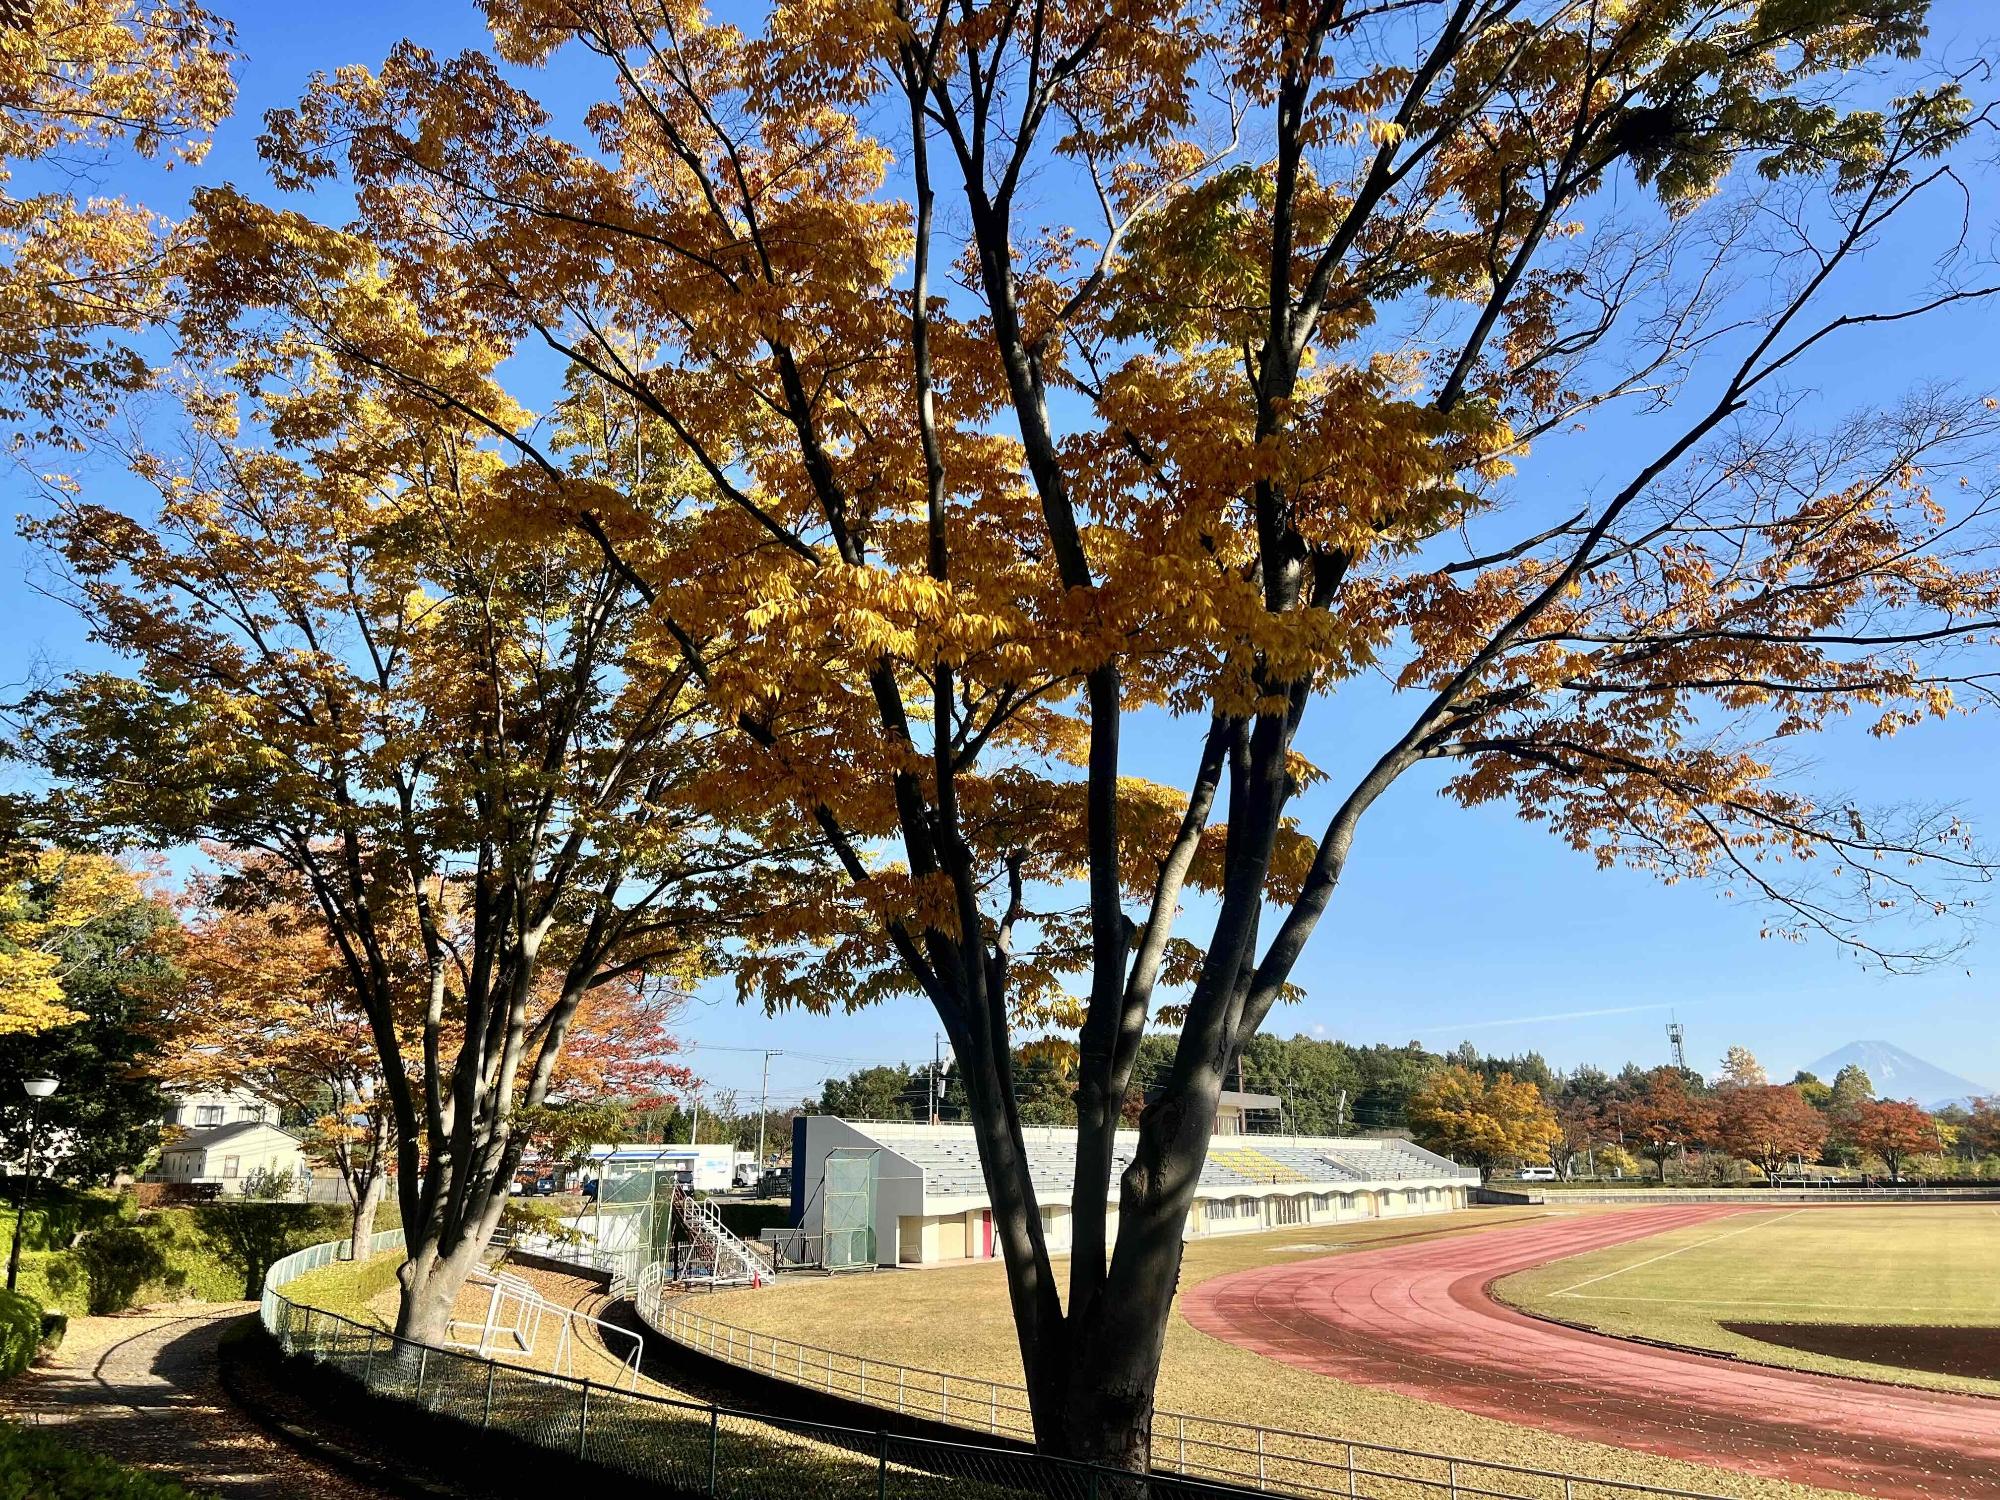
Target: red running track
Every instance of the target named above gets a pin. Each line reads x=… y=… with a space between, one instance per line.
x=1417 y=1319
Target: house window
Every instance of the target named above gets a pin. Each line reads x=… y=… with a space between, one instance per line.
x=208 y=1114
x=230 y=1165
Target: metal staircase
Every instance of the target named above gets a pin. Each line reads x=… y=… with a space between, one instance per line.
x=714 y=1255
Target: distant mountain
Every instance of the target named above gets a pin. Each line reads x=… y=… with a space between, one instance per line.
x=1897 y=1074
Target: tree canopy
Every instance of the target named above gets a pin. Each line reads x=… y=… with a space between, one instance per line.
x=1484 y=1121
x=105 y=953
x=922 y=494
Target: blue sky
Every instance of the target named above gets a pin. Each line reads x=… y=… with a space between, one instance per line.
x=1451 y=924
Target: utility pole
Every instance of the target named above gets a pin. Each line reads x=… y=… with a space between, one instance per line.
x=1340 y=1114
x=694 y=1126
x=764 y=1109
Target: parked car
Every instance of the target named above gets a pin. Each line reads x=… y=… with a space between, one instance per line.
x=1535 y=1174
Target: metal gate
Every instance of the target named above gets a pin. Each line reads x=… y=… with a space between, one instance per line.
x=847 y=1207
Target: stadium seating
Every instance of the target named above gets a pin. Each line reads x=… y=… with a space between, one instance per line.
x=951 y=1168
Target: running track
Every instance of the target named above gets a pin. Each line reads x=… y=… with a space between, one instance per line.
x=1417 y=1319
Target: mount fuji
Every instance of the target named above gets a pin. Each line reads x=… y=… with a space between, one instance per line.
x=1897 y=1074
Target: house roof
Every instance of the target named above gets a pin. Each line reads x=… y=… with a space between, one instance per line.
x=222 y=1135
x=1232 y=1097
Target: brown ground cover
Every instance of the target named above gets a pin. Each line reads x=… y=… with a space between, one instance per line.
x=1972 y=1352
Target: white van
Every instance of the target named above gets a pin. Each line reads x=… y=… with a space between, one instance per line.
x=1535 y=1174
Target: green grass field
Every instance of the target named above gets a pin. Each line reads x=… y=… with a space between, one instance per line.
x=1937 y=1265
x=956 y=1318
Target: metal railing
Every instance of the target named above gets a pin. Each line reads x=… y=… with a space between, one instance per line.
x=713 y=1450
x=687 y=1446
x=731 y=1261
x=516 y=1313
x=1238 y=1455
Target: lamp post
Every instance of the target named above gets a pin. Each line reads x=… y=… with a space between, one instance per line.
x=37 y=1089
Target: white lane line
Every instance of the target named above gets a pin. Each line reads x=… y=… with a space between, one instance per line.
x=1840 y=1307
x=1670 y=1254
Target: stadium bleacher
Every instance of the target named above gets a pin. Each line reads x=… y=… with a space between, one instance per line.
x=951 y=1163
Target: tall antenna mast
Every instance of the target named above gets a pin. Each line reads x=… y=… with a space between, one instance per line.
x=1677 y=1038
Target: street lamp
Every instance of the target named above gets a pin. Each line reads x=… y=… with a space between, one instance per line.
x=37 y=1089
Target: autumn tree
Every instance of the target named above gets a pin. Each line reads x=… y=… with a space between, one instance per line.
x=1891 y=1129
x=1741 y=1070
x=1666 y=1119
x=367 y=661
x=97 y=952
x=1579 y=1127
x=1484 y=1121
x=1981 y=1131
x=80 y=82
x=983 y=490
x=1769 y=1125
x=269 y=1009
x=49 y=901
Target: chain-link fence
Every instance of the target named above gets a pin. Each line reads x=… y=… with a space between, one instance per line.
x=685 y=1446
x=711 y=1450
x=1234 y=1455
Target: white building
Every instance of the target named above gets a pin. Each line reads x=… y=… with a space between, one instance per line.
x=208 y=1109
x=930 y=1202
x=706 y=1169
x=229 y=1155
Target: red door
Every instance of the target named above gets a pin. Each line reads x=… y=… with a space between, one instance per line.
x=986 y=1234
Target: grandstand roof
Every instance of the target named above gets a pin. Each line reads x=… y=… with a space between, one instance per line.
x=1236 y=1166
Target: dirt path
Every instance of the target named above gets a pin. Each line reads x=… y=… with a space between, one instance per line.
x=1417 y=1319
x=142 y=1388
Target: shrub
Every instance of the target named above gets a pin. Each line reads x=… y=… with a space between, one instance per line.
x=39 y=1463
x=120 y=1263
x=216 y=1252
x=246 y=1238
x=20 y=1333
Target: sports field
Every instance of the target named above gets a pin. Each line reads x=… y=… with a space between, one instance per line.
x=1885 y=1284
x=956 y=1318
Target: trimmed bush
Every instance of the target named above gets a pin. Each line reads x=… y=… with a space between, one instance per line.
x=118 y=1264
x=20 y=1332
x=216 y=1252
x=39 y=1463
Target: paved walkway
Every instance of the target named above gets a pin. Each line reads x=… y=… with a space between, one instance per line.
x=142 y=1388
x=1417 y=1319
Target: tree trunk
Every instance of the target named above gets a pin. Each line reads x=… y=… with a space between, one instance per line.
x=430 y=1286
x=366 y=1201
x=1113 y=1364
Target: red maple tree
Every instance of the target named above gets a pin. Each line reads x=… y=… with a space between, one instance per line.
x=1769 y=1125
x=1892 y=1129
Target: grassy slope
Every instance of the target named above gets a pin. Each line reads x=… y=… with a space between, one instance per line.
x=1901 y=1265
x=957 y=1319
x=366 y=1292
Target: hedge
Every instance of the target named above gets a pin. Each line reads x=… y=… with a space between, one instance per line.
x=20 y=1332
x=216 y=1252
x=40 y=1463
